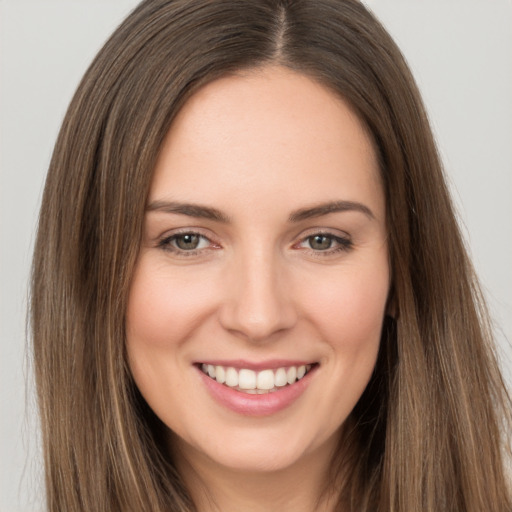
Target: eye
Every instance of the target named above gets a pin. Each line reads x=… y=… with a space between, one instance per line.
x=189 y=242
x=325 y=243
x=320 y=242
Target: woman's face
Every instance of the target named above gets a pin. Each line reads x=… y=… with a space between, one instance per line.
x=264 y=256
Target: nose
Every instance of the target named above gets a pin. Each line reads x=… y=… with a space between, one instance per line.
x=257 y=303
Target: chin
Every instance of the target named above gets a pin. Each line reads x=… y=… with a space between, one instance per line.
x=262 y=449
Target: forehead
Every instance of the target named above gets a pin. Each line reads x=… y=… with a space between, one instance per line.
x=269 y=130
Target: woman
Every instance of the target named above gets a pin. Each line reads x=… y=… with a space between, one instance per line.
x=249 y=289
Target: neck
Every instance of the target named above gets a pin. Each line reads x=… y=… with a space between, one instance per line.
x=302 y=487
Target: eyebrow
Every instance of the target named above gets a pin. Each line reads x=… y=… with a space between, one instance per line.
x=331 y=207
x=192 y=210
x=207 y=212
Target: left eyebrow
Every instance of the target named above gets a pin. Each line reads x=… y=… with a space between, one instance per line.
x=330 y=207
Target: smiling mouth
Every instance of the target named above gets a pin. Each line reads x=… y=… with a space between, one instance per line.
x=256 y=382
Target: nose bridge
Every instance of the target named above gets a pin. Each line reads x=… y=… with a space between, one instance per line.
x=258 y=304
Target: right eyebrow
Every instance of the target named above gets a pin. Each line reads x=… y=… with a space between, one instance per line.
x=191 y=210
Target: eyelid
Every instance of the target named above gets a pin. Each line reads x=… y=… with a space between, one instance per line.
x=332 y=232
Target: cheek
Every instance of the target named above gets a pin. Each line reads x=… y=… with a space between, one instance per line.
x=162 y=308
x=163 y=311
x=348 y=314
x=349 y=308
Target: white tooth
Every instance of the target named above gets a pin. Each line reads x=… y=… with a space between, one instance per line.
x=280 y=378
x=301 y=371
x=211 y=371
x=250 y=391
x=265 y=379
x=246 y=379
x=231 y=378
x=204 y=367
x=291 y=374
x=220 y=374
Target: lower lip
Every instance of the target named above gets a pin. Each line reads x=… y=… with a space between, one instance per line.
x=257 y=405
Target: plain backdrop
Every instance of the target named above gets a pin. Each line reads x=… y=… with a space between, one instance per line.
x=460 y=52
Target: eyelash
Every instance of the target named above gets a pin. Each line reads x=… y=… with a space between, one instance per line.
x=344 y=244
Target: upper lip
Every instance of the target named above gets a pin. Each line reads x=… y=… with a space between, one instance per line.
x=270 y=364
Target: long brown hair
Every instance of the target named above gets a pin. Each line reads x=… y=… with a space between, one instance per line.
x=428 y=433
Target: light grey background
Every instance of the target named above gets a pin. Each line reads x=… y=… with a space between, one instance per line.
x=459 y=50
